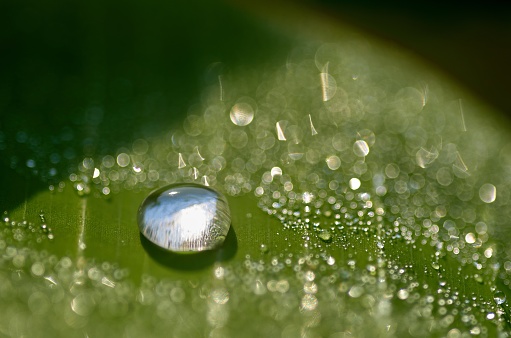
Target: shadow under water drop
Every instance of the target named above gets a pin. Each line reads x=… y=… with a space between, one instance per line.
x=192 y=261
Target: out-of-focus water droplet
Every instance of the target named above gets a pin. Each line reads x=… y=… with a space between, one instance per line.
x=354 y=183
x=425 y=158
x=220 y=296
x=280 y=132
x=242 y=114
x=313 y=129
x=276 y=171
x=470 y=238
x=499 y=297
x=83 y=304
x=181 y=163
x=309 y=302
x=325 y=236
x=333 y=162
x=295 y=151
x=198 y=153
x=360 y=148
x=488 y=193
x=478 y=278
x=402 y=294
x=123 y=159
x=328 y=85
x=185 y=218
x=307 y=197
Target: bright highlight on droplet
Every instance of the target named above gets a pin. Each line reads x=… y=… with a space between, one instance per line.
x=242 y=114
x=488 y=193
x=185 y=218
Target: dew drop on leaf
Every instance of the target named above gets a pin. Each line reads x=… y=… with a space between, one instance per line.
x=499 y=297
x=185 y=218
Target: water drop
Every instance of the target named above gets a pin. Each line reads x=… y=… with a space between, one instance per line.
x=499 y=297
x=360 y=148
x=309 y=302
x=402 y=294
x=325 y=236
x=185 y=218
x=333 y=162
x=354 y=183
x=123 y=159
x=242 y=114
x=488 y=193
x=264 y=248
x=276 y=171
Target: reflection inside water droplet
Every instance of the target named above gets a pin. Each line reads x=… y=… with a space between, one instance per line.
x=185 y=218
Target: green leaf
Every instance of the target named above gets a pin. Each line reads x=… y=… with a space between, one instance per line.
x=369 y=198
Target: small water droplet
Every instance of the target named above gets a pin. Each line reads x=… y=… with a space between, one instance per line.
x=185 y=218
x=325 y=236
x=333 y=162
x=499 y=297
x=488 y=193
x=360 y=148
x=242 y=114
x=354 y=183
x=264 y=248
x=276 y=171
x=402 y=294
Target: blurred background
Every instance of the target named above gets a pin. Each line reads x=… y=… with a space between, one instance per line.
x=470 y=41
x=85 y=78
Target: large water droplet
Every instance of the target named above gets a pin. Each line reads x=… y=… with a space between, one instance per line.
x=185 y=218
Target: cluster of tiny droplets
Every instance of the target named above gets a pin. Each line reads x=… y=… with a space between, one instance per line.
x=350 y=155
x=98 y=298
